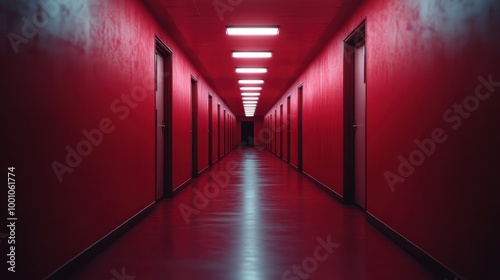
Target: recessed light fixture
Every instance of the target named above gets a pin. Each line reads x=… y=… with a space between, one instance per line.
x=252 y=31
x=250 y=88
x=250 y=94
x=250 y=82
x=251 y=70
x=265 y=54
x=250 y=102
x=249 y=105
x=250 y=98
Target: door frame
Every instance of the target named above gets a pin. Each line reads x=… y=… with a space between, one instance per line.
x=162 y=49
x=355 y=38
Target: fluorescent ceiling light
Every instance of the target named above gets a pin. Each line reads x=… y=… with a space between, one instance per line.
x=249 y=31
x=250 y=94
x=250 y=98
x=250 y=88
x=250 y=81
x=251 y=70
x=252 y=54
x=249 y=105
x=249 y=102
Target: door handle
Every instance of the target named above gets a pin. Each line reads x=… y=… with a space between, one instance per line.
x=354 y=126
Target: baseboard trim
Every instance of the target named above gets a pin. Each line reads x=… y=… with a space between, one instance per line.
x=420 y=255
x=203 y=171
x=326 y=189
x=70 y=267
x=181 y=187
x=294 y=167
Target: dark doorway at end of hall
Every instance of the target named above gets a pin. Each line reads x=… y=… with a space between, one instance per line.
x=247 y=136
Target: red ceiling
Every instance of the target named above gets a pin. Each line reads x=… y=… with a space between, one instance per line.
x=305 y=26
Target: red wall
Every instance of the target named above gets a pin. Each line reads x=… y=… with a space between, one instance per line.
x=65 y=79
x=258 y=126
x=422 y=58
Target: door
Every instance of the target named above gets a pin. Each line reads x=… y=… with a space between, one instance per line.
x=271 y=133
x=225 y=137
x=210 y=123
x=360 y=126
x=281 y=131
x=163 y=120
x=228 y=132
x=275 y=132
x=194 y=127
x=160 y=126
x=218 y=131
x=288 y=132
x=299 y=130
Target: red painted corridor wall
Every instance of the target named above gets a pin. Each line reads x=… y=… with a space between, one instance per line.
x=78 y=95
x=433 y=124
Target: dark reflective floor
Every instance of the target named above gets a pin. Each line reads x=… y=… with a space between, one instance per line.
x=252 y=217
